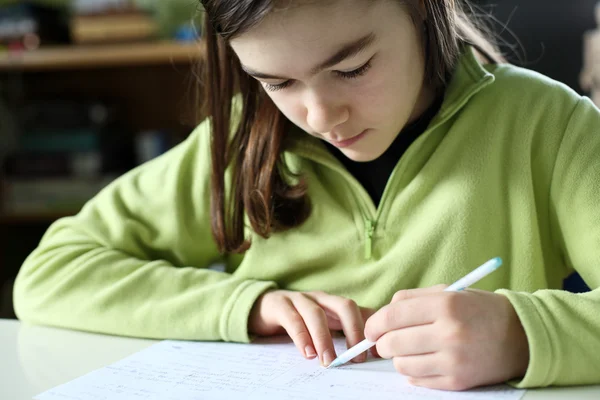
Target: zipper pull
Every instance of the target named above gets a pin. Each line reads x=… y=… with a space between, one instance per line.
x=370 y=228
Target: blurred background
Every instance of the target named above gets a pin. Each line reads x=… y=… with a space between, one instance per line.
x=92 y=88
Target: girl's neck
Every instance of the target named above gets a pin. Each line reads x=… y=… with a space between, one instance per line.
x=426 y=99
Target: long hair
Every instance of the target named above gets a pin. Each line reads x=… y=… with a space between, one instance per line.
x=262 y=188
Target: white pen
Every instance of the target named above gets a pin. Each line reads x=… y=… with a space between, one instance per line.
x=461 y=284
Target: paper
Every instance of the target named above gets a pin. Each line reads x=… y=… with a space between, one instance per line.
x=175 y=370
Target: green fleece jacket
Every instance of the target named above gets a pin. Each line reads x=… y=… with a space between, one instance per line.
x=509 y=167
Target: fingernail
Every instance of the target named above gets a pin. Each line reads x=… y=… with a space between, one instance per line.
x=328 y=358
x=310 y=351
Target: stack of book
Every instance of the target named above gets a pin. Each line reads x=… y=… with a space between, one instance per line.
x=110 y=21
x=27 y=26
x=61 y=159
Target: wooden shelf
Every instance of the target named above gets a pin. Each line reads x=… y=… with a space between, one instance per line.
x=18 y=219
x=101 y=56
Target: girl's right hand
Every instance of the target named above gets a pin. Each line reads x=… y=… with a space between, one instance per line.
x=308 y=318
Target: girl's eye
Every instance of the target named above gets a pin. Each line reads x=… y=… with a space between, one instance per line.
x=360 y=71
x=342 y=74
x=273 y=88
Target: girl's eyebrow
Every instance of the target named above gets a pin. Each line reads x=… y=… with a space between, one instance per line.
x=347 y=51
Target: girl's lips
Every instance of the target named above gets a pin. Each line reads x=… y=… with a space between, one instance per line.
x=349 y=142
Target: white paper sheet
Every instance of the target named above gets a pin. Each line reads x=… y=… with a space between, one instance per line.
x=174 y=370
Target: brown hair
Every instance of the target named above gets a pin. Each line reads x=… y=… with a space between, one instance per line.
x=262 y=188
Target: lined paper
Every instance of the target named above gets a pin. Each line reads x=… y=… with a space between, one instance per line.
x=176 y=370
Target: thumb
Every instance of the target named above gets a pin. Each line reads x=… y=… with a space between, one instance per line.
x=379 y=323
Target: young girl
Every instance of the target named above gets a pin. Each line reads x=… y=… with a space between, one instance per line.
x=358 y=154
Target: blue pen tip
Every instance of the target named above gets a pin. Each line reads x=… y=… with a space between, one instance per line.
x=497 y=262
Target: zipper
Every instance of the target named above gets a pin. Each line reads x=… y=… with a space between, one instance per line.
x=360 y=195
x=369 y=230
x=371 y=213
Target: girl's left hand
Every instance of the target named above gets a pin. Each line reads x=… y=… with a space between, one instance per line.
x=451 y=340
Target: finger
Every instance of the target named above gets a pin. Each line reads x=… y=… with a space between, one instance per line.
x=441 y=383
x=294 y=325
x=425 y=365
x=367 y=312
x=403 y=314
x=374 y=352
x=333 y=321
x=350 y=316
x=316 y=321
x=412 y=293
x=411 y=341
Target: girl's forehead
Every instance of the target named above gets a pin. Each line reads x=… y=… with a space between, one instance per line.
x=295 y=41
x=311 y=19
x=314 y=24
x=307 y=29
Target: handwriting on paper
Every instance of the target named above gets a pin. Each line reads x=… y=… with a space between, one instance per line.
x=174 y=370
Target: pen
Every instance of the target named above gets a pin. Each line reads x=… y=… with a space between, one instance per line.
x=461 y=284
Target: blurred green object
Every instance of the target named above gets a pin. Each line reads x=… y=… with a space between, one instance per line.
x=170 y=14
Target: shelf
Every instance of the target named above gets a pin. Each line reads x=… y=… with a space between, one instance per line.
x=38 y=218
x=101 y=56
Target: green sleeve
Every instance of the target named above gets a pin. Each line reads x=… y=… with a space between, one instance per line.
x=134 y=261
x=563 y=329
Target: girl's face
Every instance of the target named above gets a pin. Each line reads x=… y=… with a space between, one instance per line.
x=349 y=72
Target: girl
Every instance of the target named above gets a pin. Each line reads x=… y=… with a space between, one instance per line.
x=357 y=152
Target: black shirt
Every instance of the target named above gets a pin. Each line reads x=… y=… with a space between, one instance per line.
x=374 y=175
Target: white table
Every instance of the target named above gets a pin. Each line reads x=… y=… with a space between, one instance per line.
x=34 y=359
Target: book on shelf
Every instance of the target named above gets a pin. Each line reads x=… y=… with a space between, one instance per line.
x=34 y=165
x=49 y=195
x=82 y=140
x=113 y=28
x=51 y=182
x=66 y=152
x=27 y=25
x=66 y=114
